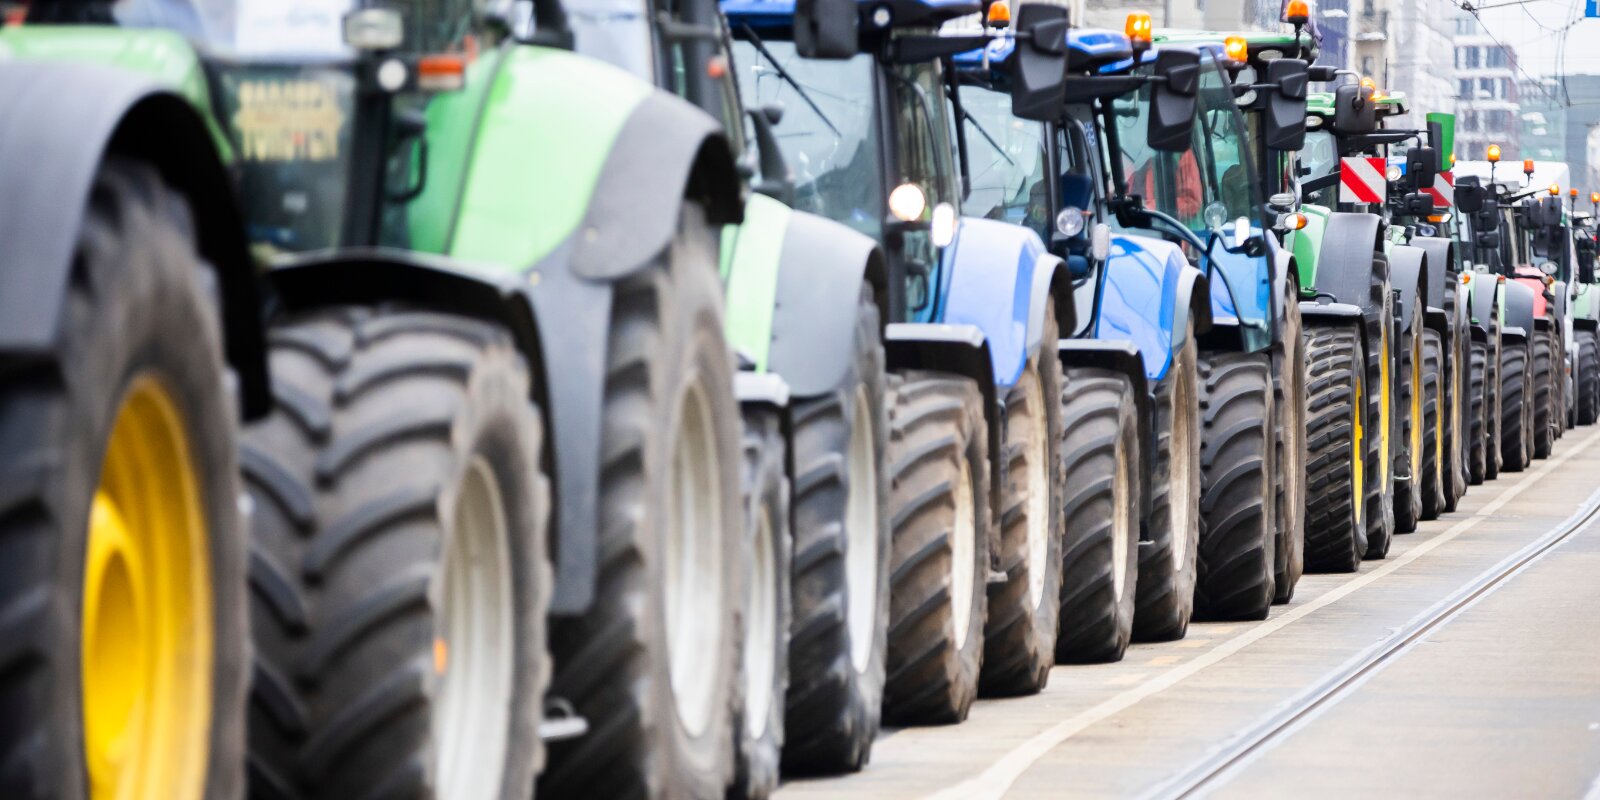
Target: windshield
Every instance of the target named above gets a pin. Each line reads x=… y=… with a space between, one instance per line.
x=832 y=148
x=1006 y=159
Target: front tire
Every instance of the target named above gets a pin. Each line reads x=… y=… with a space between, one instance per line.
x=939 y=457
x=1433 y=428
x=1289 y=403
x=652 y=663
x=399 y=560
x=1101 y=556
x=1238 y=489
x=1588 y=377
x=1408 y=492
x=120 y=484
x=1336 y=531
x=1546 y=415
x=764 y=668
x=1164 y=599
x=838 y=647
x=1383 y=418
x=1477 y=434
x=1020 y=636
x=1515 y=395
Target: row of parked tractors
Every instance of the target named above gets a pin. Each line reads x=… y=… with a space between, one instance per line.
x=649 y=398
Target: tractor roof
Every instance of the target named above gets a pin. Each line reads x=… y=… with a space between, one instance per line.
x=1088 y=50
x=1321 y=104
x=770 y=14
x=1257 y=42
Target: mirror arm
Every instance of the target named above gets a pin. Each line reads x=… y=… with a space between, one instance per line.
x=1119 y=181
x=775 y=179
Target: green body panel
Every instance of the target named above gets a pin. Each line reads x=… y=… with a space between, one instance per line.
x=1447 y=136
x=1305 y=244
x=751 y=254
x=163 y=56
x=548 y=125
x=452 y=122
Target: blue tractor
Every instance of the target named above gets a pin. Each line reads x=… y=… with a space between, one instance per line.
x=972 y=310
x=1145 y=185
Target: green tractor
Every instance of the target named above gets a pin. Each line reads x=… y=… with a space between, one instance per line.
x=1586 y=317
x=461 y=284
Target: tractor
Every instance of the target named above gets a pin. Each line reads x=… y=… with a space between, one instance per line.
x=972 y=308
x=461 y=285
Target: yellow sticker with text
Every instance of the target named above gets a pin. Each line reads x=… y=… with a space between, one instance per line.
x=288 y=120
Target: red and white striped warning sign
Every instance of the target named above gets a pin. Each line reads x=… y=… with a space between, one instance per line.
x=1444 y=189
x=1361 y=180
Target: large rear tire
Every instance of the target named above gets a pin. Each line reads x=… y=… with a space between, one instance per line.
x=1433 y=425
x=1164 y=591
x=1409 y=489
x=841 y=564
x=764 y=669
x=1515 y=395
x=1546 y=414
x=1477 y=434
x=651 y=665
x=1494 y=403
x=1289 y=377
x=120 y=529
x=1383 y=415
x=398 y=560
x=1453 y=406
x=1020 y=636
x=1101 y=556
x=939 y=457
x=1336 y=531
x=1238 y=489
x=1588 y=377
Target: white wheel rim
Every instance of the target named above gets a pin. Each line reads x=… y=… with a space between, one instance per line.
x=1121 y=521
x=1038 y=501
x=962 y=551
x=694 y=590
x=861 y=535
x=1180 y=469
x=474 y=655
x=760 y=662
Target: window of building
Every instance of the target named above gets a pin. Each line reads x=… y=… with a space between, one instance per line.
x=1485 y=87
x=1497 y=57
x=1468 y=58
x=1464 y=89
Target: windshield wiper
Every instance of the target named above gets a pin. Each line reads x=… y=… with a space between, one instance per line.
x=985 y=134
x=761 y=47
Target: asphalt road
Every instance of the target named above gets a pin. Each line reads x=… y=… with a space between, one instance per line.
x=1467 y=664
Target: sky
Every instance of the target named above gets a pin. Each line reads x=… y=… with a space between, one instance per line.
x=1530 y=28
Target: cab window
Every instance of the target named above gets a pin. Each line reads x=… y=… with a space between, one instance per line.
x=1006 y=161
x=1228 y=172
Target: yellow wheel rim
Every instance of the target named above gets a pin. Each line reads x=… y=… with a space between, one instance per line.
x=1416 y=409
x=1358 y=447
x=147 y=633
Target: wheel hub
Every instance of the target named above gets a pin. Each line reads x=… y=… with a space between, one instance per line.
x=147 y=653
x=1038 y=501
x=861 y=532
x=693 y=555
x=962 y=551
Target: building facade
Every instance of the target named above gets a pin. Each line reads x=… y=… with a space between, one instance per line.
x=1488 y=109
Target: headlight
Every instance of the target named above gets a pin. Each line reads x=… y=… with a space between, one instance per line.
x=1069 y=222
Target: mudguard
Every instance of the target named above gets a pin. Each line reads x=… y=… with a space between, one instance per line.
x=1344 y=260
x=998 y=276
x=1484 y=289
x=1586 y=323
x=1519 y=307
x=1148 y=294
x=958 y=349
x=574 y=156
x=58 y=122
x=814 y=305
x=1408 y=273
x=1441 y=265
x=761 y=388
x=1436 y=319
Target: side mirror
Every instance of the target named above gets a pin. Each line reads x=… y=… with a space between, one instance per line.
x=826 y=28
x=1418 y=204
x=1354 y=111
x=1286 y=104
x=1488 y=240
x=1550 y=212
x=1422 y=166
x=776 y=180
x=1173 y=99
x=1468 y=196
x=1039 y=68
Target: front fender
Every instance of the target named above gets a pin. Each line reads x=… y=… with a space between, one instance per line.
x=1483 y=291
x=1147 y=296
x=998 y=279
x=814 y=304
x=1344 y=260
x=575 y=155
x=1441 y=265
x=59 y=121
x=1520 y=302
x=1408 y=268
